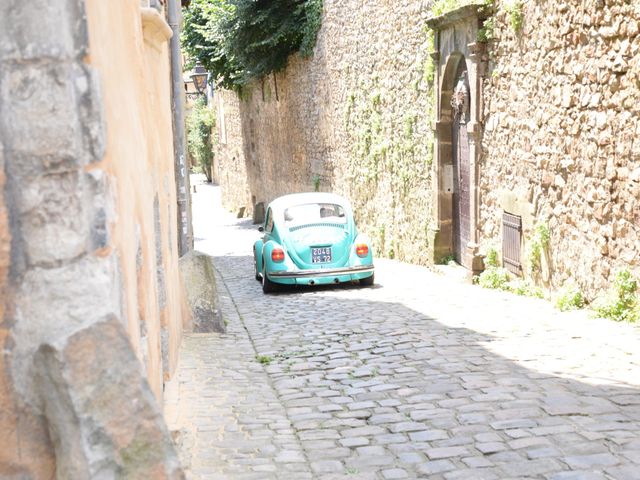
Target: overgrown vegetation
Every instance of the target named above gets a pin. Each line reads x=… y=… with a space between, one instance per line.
x=498 y=278
x=537 y=245
x=485 y=33
x=525 y=288
x=199 y=140
x=494 y=276
x=621 y=302
x=569 y=297
x=264 y=359
x=440 y=7
x=516 y=16
x=241 y=40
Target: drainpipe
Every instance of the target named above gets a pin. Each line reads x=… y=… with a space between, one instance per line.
x=185 y=232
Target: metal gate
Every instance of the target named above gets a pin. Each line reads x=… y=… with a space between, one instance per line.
x=511 y=241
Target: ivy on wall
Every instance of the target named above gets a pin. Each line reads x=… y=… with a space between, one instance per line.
x=391 y=146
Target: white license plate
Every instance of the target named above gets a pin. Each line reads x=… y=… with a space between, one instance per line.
x=321 y=255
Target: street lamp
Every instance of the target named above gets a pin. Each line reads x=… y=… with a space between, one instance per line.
x=199 y=77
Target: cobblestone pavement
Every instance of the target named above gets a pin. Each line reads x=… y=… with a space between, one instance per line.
x=418 y=376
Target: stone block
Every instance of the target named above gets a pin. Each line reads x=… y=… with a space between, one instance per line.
x=39 y=117
x=42 y=29
x=200 y=283
x=103 y=419
x=54 y=220
x=53 y=301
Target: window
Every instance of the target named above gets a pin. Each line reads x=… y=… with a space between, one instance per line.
x=314 y=213
x=269 y=221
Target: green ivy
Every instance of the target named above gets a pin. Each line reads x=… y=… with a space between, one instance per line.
x=538 y=243
x=440 y=7
x=199 y=139
x=516 y=16
x=486 y=32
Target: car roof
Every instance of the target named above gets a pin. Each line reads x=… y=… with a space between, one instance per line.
x=285 y=201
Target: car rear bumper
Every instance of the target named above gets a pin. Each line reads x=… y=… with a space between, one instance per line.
x=320 y=272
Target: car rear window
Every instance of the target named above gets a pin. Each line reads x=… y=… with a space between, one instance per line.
x=314 y=213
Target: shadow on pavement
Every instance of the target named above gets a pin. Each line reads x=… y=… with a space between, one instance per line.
x=354 y=358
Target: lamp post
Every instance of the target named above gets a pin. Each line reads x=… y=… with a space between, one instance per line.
x=199 y=78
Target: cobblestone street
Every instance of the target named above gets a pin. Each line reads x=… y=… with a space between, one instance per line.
x=419 y=376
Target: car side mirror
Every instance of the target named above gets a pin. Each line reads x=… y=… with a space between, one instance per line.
x=261 y=229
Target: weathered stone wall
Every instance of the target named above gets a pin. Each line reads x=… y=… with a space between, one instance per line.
x=354 y=119
x=559 y=124
x=562 y=134
x=85 y=156
x=229 y=166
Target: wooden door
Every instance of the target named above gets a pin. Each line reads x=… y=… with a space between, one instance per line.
x=461 y=166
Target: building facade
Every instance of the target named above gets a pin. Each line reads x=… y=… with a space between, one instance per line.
x=92 y=305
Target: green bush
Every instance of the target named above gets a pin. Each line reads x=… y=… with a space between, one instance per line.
x=496 y=278
x=491 y=258
x=621 y=302
x=199 y=144
x=569 y=297
x=525 y=289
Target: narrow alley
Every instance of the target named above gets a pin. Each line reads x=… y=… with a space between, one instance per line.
x=419 y=376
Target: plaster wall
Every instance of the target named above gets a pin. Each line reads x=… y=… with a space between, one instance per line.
x=129 y=47
x=88 y=262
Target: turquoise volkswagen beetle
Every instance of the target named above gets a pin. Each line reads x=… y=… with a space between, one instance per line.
x=311 y=239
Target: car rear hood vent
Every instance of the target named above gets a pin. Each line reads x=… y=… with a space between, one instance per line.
x=309 y=225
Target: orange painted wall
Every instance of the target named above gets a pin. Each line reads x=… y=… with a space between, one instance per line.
x=132 y=58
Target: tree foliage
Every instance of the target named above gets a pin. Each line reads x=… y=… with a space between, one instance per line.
x=241 y=40
x=200 y=121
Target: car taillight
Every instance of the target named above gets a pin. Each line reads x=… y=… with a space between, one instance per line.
x=362 y=249
x=277 y=255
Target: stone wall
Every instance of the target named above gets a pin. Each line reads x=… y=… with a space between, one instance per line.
x=354 y=119
x=557 y=132
x=88 y=266
x=562 y=135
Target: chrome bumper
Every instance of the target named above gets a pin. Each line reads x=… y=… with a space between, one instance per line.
x=322 y=272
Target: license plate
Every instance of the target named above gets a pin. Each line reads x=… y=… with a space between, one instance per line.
x=321 y=255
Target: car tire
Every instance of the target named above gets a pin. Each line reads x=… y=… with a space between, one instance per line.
x=255 y=268
x=267 y=285
x=367 y=282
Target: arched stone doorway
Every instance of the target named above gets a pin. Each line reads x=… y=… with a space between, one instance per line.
x=457 y=134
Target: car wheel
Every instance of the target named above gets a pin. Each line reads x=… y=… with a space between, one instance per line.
x=367 y=282
x=267 y=285
x=255 y=267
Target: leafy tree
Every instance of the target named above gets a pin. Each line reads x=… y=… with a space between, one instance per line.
x=241 y=40
x=199 y=143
